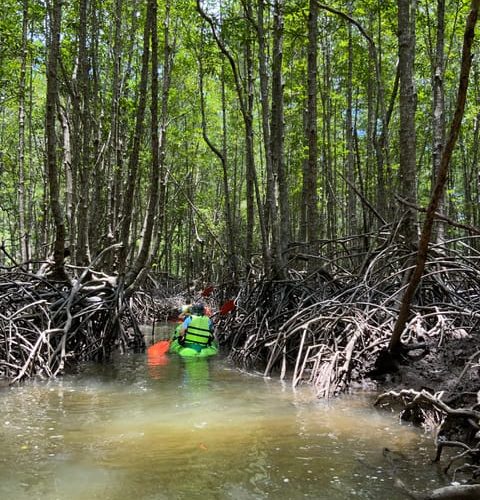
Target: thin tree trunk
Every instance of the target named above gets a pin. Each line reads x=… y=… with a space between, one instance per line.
x=23 y=236
x=67 y=166
x=34 y=229
x=407 y=141
x=265 y=111
x=279 y=210
x=439 y=107
x=168 y=52
x=58 y=271
x=328 y=173
x=249 y=146
x=310 y=174
x=351 y=221
x=114 y=161
x=83 y=186
x=372 y=139
x=97 y=226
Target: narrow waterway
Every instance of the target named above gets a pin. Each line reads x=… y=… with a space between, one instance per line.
x=175 y=429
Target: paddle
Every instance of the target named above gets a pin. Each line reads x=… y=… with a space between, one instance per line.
x=206 y=292
x=227 y=307
x=159 y=348
x=162 y=346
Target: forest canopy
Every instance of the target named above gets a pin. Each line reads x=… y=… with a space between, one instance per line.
x=208 y=137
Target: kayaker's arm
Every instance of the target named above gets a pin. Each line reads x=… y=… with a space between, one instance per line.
x=183 y=328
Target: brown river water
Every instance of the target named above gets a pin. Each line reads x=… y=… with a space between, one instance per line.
x=199 y=429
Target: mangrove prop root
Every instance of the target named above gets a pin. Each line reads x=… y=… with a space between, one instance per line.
x=457 y=428
x=330 y=327
x=48 y=326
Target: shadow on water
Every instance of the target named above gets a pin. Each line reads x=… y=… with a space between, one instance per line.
x=185 y=429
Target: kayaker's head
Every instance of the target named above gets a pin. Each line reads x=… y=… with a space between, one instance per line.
x=198 y=309
x=185 y=310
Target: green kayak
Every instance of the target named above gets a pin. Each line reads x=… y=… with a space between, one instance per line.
x=193 y=350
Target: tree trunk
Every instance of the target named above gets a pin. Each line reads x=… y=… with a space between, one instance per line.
x=265 y=110
x=407 y=140
x=58 y=271
x=83 y=186
x=310 y=174
x=351 y=222
x=279 y=209
x=67 y=166
x=97 y=226
x=168 y=52
x=23 y=236
x=439 y=108
x=250 y=173
x=114 y=159
x=328 y=168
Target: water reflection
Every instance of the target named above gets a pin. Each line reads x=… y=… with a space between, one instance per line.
x=156 y=363
x=196 y=375
x=197 y=428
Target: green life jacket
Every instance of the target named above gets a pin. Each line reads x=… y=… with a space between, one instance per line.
x=198 y=331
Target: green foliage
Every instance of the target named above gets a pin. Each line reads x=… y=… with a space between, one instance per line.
x=194 y=173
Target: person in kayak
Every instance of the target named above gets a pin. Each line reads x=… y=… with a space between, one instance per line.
x=183 y=312
x=197 y=329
